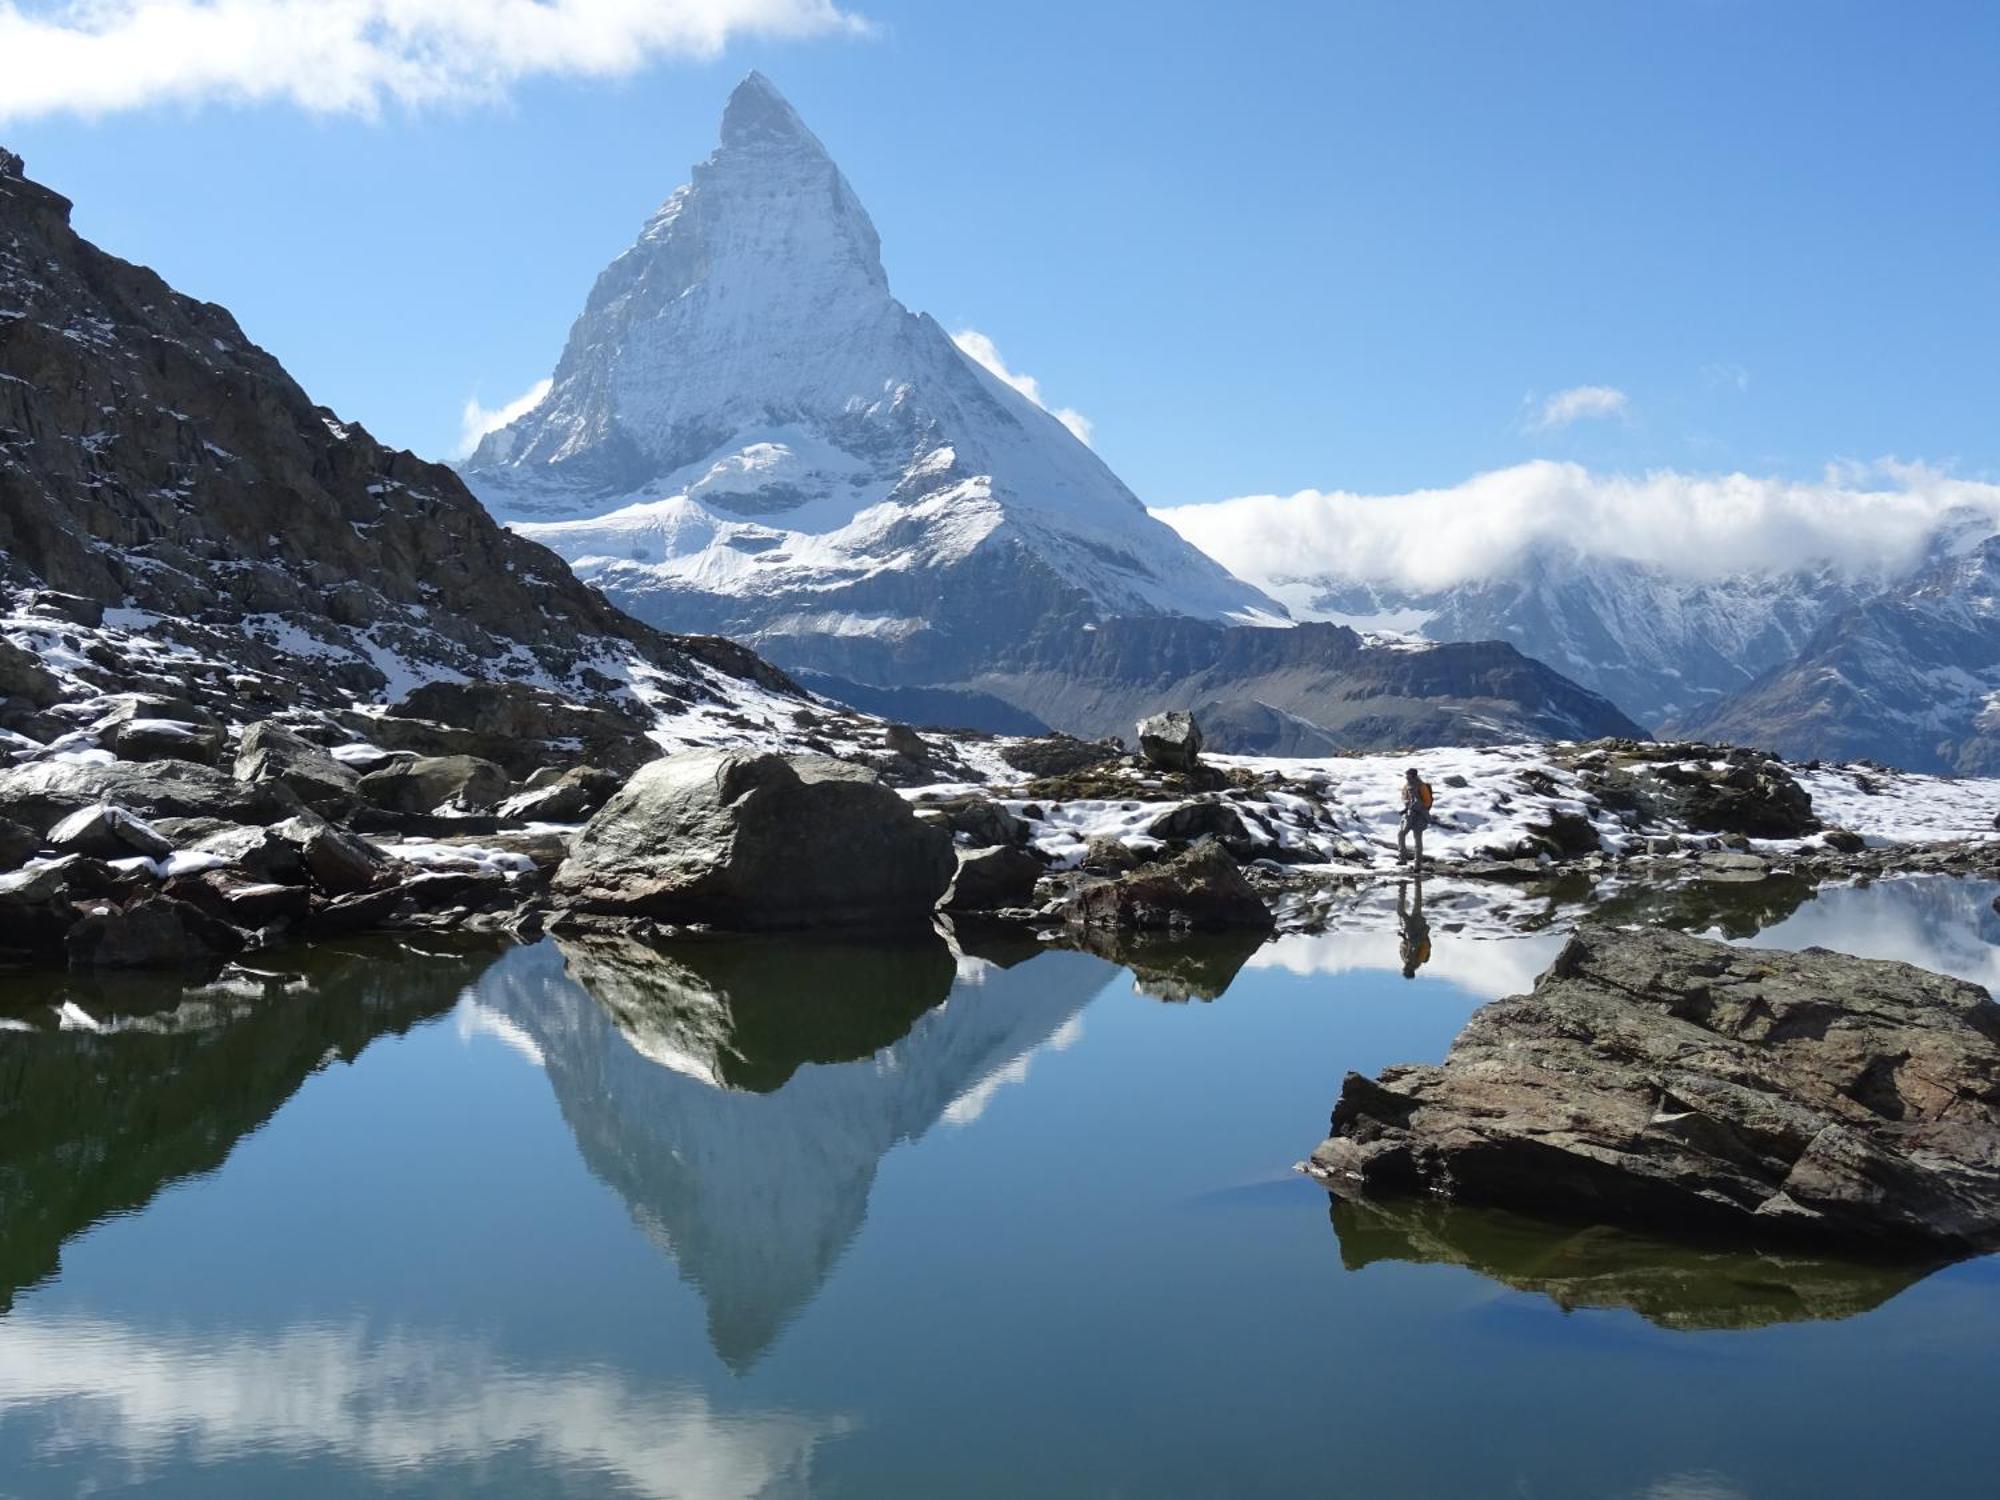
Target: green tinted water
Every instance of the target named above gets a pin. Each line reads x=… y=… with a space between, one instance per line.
x=817 y=1219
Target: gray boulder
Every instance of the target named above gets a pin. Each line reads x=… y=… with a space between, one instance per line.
x=568 y=797
x=462 y=783
x=18 y=845
x=748 y=841
x=1170 y=741
x=1679 y=1084
x=42 y=794
x=989 y=879
x=271 y=751
x=1200 y=890
x=107 y=832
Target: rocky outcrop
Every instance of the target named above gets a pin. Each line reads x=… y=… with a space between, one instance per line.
x=747 y=841
x=435 y=783
x=269 y=751
x=1685 y=1085
x=1171 y=741
x=1200 y=890
x=40 y=795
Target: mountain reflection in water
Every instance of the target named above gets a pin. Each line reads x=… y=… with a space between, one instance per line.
x=740 y=1094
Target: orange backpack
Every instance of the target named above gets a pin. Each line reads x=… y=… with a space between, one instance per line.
x=1424 y=794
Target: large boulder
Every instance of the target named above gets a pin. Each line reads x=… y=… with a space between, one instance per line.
x=989 y=879
x=569 y=797
x=459 y=783
x=1684 y=1085
x=42 y=794
x=107 y=832
x=750 y=841
x=271 y=751
x=1200 y=890
x=1170 y=741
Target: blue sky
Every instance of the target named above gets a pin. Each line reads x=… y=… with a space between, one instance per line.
x=1261 y=248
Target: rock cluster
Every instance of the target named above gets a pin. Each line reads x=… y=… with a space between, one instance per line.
x=1684 y=1085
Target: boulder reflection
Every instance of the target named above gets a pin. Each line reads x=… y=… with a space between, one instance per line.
x=1671 y=1284
x=739 y=1094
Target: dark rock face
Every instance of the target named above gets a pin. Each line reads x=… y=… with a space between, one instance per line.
x=152 y=456
x=151 y=932
x=1058 y=755
x=1171 y=741
x=982 y=823
x=1201 y=890
x=507 y=720
x=1209 y=819
x=42 y=794
x=746 y=841
x=271 y=752
x=1684 y=1085
x=989 y=879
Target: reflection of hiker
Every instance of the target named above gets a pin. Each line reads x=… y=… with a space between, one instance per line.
x=1416 y=815
x=1415 y=945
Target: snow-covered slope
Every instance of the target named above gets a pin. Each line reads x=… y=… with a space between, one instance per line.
x=748 y=433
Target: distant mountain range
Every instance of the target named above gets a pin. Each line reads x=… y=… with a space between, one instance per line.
x=748 y=434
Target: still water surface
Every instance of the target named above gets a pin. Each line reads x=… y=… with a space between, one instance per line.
x=809 y=1219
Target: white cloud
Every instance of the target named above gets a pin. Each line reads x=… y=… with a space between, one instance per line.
x=1580 y=402
x=93 y=57
x=983 y=352
x=1863 y=519
x=475 y=421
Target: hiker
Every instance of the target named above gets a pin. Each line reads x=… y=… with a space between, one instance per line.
x=1416 y=816
x=1413 y=945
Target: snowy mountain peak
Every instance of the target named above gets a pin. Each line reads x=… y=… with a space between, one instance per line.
x=757 y=115
x=748 y=434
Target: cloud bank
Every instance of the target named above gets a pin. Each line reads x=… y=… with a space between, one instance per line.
x=475 y=421
x=94 y=57
x=1866 y=520
x=982 y=351
x=1578 y=403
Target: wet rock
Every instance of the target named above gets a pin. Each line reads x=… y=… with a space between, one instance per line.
x=1843 y=840
x=1566 y=835
x=149 y=932
x=271 y=751
x=22 y=676
x=1175 y=967
x=1059 y=754
x=568 y=797
x=990 y=879
x=459 y=783
x=39 y=905
x=107 y=832
x=1171 y=741
x=1200 y=890
x=1685 y=1085
x=42 y=794
x=749 y=841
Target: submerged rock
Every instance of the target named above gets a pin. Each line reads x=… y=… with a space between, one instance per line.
x=1201 y=890
x=1171 y=741
x=1685 y=1085
x=748 y=841
x=150 y=932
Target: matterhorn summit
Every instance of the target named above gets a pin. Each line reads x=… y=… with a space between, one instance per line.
x=748 y=434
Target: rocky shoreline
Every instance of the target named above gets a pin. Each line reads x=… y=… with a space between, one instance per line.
x=156 y=833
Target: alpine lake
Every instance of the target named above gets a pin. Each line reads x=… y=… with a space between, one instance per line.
x=824 y=1218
